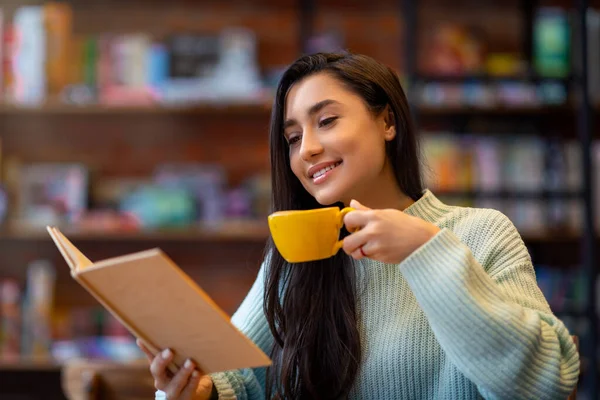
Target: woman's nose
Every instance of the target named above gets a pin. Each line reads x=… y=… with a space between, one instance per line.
x=310 y=146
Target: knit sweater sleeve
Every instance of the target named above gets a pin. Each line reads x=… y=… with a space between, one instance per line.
x=248 y=384
x=489 y=316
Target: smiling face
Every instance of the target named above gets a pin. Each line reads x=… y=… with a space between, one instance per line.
x=336 y=144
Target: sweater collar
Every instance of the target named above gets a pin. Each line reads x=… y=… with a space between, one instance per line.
x=428 y=207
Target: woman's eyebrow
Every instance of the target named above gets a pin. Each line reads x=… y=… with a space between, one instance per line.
x=315 y=108
x=312 y=110
x=289 y=122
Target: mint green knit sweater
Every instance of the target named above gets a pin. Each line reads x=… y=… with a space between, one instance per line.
x=460 y=318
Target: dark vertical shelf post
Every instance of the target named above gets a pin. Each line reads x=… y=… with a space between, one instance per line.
x=528 y=8
x=590 y=343
x=307 y=13
x=408 y=14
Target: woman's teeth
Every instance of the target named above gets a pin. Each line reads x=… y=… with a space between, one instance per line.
x=322 y=171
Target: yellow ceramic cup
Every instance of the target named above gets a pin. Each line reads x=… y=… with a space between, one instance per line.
x=308 y=235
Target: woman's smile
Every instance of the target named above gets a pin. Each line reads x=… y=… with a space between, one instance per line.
x=321 y=172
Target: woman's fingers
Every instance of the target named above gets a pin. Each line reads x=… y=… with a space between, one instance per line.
x=205 y=386
x=158 y=368
x=147 y=352
x=180 y=380
x=355 y=220
x=355 y=241
x=192 y=387
x=357 y=205
x=185 y=384
x=357 y=254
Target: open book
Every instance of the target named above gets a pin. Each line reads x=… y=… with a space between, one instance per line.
x=161 y=305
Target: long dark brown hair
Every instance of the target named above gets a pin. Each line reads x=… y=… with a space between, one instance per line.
x=311 y=306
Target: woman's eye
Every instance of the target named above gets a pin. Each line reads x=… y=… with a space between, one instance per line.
x=327 y=121
x=293 y=139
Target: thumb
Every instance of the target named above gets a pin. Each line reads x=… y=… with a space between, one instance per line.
x=356 y=205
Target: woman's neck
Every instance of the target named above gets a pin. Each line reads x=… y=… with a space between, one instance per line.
x=384 y=193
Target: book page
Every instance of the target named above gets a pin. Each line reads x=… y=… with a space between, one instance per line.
x=72 y=255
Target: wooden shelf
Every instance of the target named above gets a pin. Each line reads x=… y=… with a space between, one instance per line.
x=237 y=231
x=435 y=111
x=33 y=365
x=50 y=365
x=509 y=195
x=486 y=78
x=239 y=108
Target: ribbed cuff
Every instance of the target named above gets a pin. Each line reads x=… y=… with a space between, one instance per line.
x=223 y=386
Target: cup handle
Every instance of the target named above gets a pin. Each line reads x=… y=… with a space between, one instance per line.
x=342 y=213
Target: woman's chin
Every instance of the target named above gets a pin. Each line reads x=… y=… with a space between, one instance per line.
x=326 y=198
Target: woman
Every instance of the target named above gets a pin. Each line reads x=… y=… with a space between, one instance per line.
x=427 y=301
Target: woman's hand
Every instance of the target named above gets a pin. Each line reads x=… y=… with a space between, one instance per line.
x=187 y=384
x=389 y=236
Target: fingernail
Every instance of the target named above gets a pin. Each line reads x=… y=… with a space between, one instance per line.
x=195 y=374
x=166 y=353
x=188 y=364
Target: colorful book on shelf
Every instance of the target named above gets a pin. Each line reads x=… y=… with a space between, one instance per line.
x=29 y=56
x=161 y=305
x=58 y=23
x=2 y=56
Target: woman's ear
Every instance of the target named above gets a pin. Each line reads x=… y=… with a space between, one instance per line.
x=389 y=124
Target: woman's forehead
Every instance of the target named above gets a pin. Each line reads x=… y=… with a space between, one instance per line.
x=311 y=91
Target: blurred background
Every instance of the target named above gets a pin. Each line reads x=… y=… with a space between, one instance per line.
x=138 y=124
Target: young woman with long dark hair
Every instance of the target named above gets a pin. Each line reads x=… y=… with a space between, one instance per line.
x=427 y=300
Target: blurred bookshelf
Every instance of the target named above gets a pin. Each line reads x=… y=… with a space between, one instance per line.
x=128 y=139
x=520 y=134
